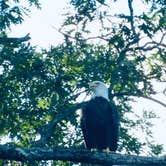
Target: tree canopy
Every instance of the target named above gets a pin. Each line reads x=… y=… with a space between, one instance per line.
x=39 y=91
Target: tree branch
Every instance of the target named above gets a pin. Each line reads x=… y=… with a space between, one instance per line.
x=155 y=100
x=76 y=155
x=140 y=95
x=131 y=16
x=151 y=45
x=5 y=40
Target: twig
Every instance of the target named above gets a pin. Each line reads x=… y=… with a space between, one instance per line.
x=147 y=47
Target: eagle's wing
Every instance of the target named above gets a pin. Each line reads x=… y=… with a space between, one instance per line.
x=114 y=127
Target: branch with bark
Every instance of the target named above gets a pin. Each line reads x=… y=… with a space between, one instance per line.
x=76 y=155
x=6 y=40
x=131 y=16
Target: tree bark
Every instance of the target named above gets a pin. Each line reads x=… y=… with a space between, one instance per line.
x=6 y=40
x=76 y=155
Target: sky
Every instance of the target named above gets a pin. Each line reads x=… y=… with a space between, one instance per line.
x=42 y=26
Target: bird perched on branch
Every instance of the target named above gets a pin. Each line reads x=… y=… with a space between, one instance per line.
x=99 y=121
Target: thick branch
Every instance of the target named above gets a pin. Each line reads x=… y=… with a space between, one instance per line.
x=76 y=155
x=5 y=40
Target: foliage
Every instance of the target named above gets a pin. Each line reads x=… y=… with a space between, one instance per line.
x=39 y=91
x=11 y=12
x=126 y=50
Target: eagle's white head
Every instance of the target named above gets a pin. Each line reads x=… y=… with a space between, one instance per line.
x=98 y=89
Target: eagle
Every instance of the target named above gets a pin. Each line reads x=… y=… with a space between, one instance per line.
x=100 y=120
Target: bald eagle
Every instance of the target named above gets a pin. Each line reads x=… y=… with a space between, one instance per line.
x=99 y=121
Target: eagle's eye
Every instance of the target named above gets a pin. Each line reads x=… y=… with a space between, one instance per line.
x=97 y=83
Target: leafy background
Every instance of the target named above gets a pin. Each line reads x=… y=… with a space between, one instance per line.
x=39 y=90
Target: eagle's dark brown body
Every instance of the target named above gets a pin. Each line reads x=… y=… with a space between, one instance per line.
x=100 y=124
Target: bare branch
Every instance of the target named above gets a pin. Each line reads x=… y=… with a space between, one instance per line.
x=76 y=155
x=149 y=48
x=151 y=45
x=155 y=100
x=140 y=95
x=89 y=38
